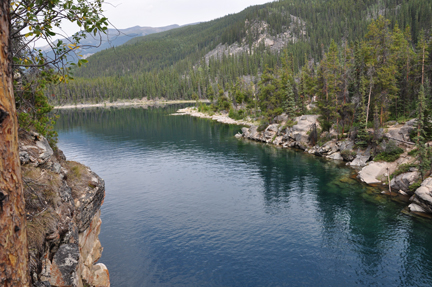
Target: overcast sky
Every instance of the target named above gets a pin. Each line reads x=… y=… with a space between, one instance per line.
x=158 y=13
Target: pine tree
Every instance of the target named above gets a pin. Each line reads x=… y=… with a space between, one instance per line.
x=424 y=151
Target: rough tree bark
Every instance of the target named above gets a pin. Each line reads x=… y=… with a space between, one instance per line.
x=13 y=237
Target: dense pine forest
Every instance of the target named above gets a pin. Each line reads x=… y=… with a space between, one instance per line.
x=358 y=64
x=174 y=65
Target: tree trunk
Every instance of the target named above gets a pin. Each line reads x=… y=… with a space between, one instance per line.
x=368 y=106
x=13 y=237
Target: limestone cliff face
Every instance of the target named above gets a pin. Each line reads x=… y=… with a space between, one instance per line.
x=63 y=201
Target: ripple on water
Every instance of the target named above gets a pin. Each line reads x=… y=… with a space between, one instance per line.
x=188 y=205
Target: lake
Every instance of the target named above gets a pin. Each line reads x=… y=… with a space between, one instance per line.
x=187 y=204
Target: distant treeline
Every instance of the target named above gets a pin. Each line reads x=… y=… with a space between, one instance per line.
x=171 y=64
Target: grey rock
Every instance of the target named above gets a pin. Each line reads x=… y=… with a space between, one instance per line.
x=360 y=160
x=281 y=118
x=404 y=180
x=335 y=156
x=45 y=149
x=89 y=204
x=24 y=157
x=56 y=167
x=329 y=148
x=65 y=193
x=299 y=132
x=42 y=284
x=415 y=208
x=423 y=196
x=66 y=259
x=401 y=133
x=347 y=145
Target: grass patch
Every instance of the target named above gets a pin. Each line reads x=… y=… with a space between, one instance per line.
x=78 y=178
x=289 y=124
x=389 y=156
x=39 y=226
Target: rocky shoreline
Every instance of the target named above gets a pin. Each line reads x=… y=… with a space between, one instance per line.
x=296 y=134
x=63 y=202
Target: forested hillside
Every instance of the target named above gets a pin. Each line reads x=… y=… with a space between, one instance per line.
x=174 y=65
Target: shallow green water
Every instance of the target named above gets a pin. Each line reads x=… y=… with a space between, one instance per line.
x=189 y=205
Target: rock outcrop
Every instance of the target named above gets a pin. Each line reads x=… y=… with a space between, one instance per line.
x=404 y=181
x=63 y=201
x=422 y=199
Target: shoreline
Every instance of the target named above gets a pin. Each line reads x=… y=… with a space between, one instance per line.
x=219 y=117
x=124 y=104
x=372 y=173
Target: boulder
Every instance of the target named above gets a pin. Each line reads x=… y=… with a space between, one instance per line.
x=281 y=118
x=376 y=172
x=299 y=132
x=329 y=147
x=335 y=156
x=423 y=196
x=404 y=180
x=360 y=160
x=415 y=208
x=346 y=145
x=401 y=133
x=270 y=132
x=278 y=140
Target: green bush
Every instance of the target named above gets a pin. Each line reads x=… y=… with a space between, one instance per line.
x=414 y=152
x=203 y=108
x=403 y=168
x=389 y=156
x=413 y=187
x=236 y=115
x=289 y=124
x=263 y=125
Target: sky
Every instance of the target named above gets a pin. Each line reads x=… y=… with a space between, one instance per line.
x=158 y=13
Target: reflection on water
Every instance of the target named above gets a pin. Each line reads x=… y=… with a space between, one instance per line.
x=189 y=205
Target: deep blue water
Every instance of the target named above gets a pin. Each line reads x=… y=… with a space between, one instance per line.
x=187 y=204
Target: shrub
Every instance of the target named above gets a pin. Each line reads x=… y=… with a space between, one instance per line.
x=389 y=156
x=390 y=153
x=236 y=115
x=263 y=125
x=203 y=108
x=403 y=168
x=413 y=187
x=289 y=124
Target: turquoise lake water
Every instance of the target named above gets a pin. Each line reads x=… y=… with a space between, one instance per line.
x=187 y=204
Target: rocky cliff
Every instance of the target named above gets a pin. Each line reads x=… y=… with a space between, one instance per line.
x=63 y=201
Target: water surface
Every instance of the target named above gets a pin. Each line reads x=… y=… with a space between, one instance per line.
x=187 y=204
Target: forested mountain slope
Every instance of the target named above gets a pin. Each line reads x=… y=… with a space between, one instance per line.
x=177 y=63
